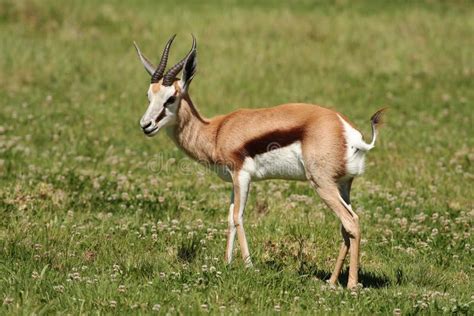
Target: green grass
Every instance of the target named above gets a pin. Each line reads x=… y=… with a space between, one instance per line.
x=95 y=217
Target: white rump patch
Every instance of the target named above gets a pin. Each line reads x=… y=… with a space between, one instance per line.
x=355 y=151
x=280 y=163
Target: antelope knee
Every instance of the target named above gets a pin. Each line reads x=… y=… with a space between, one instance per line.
x=353 y=228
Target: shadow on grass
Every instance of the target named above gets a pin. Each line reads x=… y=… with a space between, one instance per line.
x=188 y=250
x=274 y=265
x=367 y=278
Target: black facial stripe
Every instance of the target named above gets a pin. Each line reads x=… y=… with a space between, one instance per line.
x=161 y=116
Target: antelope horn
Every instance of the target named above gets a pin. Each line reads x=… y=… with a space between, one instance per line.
x=158 y=74
x=149 y=67
x=170 y=75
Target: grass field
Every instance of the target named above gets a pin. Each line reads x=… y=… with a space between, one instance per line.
x=95 y=217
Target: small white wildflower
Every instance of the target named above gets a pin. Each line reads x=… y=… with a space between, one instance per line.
x=8 y=300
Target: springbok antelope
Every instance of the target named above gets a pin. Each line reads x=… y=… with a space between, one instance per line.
x=292 y=141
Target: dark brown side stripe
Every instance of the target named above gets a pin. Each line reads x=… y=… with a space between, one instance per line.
x=271 y=141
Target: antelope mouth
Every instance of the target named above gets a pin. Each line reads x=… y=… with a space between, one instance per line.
x=151 y=132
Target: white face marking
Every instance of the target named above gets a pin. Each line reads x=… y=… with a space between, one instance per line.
x=282 y=163
x=160 y=111
x=355 y=151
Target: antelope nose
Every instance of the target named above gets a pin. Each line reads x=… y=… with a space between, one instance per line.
x=144 y=125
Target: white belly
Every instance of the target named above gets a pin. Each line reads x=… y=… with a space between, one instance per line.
x=280 y=163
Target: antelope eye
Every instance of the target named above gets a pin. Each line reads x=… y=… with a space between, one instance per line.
x=170 y=100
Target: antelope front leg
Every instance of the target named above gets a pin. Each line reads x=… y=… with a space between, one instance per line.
x=231 y=231
x=241 y=181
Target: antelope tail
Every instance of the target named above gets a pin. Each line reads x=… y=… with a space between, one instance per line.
x=376 y=122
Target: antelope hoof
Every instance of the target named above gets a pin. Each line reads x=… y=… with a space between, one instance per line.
x=353 y=285
x=332 y=280
x=248 y=263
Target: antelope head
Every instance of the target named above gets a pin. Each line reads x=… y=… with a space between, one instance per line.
x=166 y=91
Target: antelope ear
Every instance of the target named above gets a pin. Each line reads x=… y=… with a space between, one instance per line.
x=149 y=67
x=189 y=70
